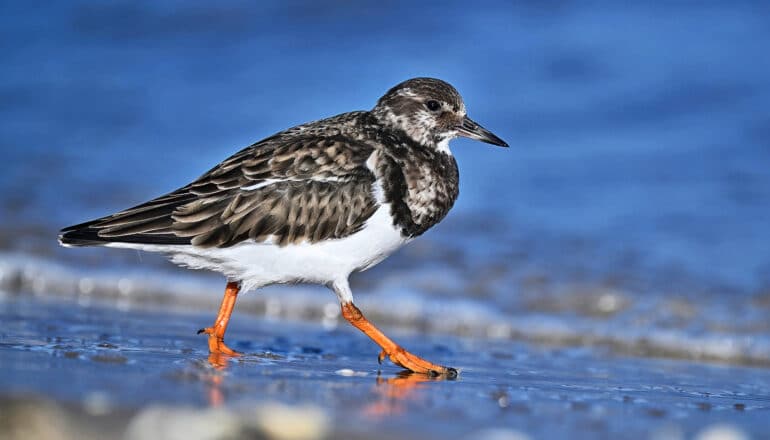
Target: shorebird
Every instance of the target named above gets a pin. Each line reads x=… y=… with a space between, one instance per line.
x=311 y=204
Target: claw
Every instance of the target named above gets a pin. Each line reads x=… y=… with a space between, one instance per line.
x=217 y=344
x=416 y=364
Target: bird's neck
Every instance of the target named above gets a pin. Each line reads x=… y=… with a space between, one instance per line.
x=417 y=132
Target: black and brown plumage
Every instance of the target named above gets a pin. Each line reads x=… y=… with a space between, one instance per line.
x=312 y=204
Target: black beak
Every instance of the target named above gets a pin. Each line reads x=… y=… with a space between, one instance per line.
x=473 y=130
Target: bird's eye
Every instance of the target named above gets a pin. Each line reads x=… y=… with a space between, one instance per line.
x=433 y=105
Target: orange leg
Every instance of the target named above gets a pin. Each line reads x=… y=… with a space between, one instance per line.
x=397 y=354
x=217 y=331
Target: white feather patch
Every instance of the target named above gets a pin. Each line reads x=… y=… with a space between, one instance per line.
x=260 y=264
x=267 y=182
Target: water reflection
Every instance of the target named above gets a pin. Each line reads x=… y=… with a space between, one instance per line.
x=219 y=360
x=390 y=396
x=395 y=394
x=214 y=380
x=214 y=394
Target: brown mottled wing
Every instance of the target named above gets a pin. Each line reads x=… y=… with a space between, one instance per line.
x=283 y=189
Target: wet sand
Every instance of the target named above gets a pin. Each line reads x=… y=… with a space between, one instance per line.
x=98 y=372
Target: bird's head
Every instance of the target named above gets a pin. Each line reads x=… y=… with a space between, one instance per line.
x=431 y=112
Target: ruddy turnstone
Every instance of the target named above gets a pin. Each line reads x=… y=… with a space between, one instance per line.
x=311 y=204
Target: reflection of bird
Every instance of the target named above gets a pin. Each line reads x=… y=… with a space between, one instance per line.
x=394 y=394
x=312 y=204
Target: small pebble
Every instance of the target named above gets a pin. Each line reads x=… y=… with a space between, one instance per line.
x=97 y=403
x=499 y=434
x=183 y=424
x=721 y=432
x=283 y=422
x=347 y=372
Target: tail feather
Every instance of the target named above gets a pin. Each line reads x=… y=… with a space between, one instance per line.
x=85 y=234
x=149 y=223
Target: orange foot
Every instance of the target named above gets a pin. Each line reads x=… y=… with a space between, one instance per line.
x=416 y=364
x=217 y=344
x=397 y=354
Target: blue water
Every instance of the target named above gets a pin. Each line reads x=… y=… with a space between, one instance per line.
x=111 y=368
x=633 y=199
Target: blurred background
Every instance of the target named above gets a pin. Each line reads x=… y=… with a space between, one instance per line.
x=631 y=210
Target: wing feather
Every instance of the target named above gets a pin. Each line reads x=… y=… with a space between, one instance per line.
x=285 y=189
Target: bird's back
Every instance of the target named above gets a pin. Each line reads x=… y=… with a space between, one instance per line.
x=308 y=183
x=314 y=182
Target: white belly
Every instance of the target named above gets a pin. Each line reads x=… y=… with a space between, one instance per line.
x=260 y=264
